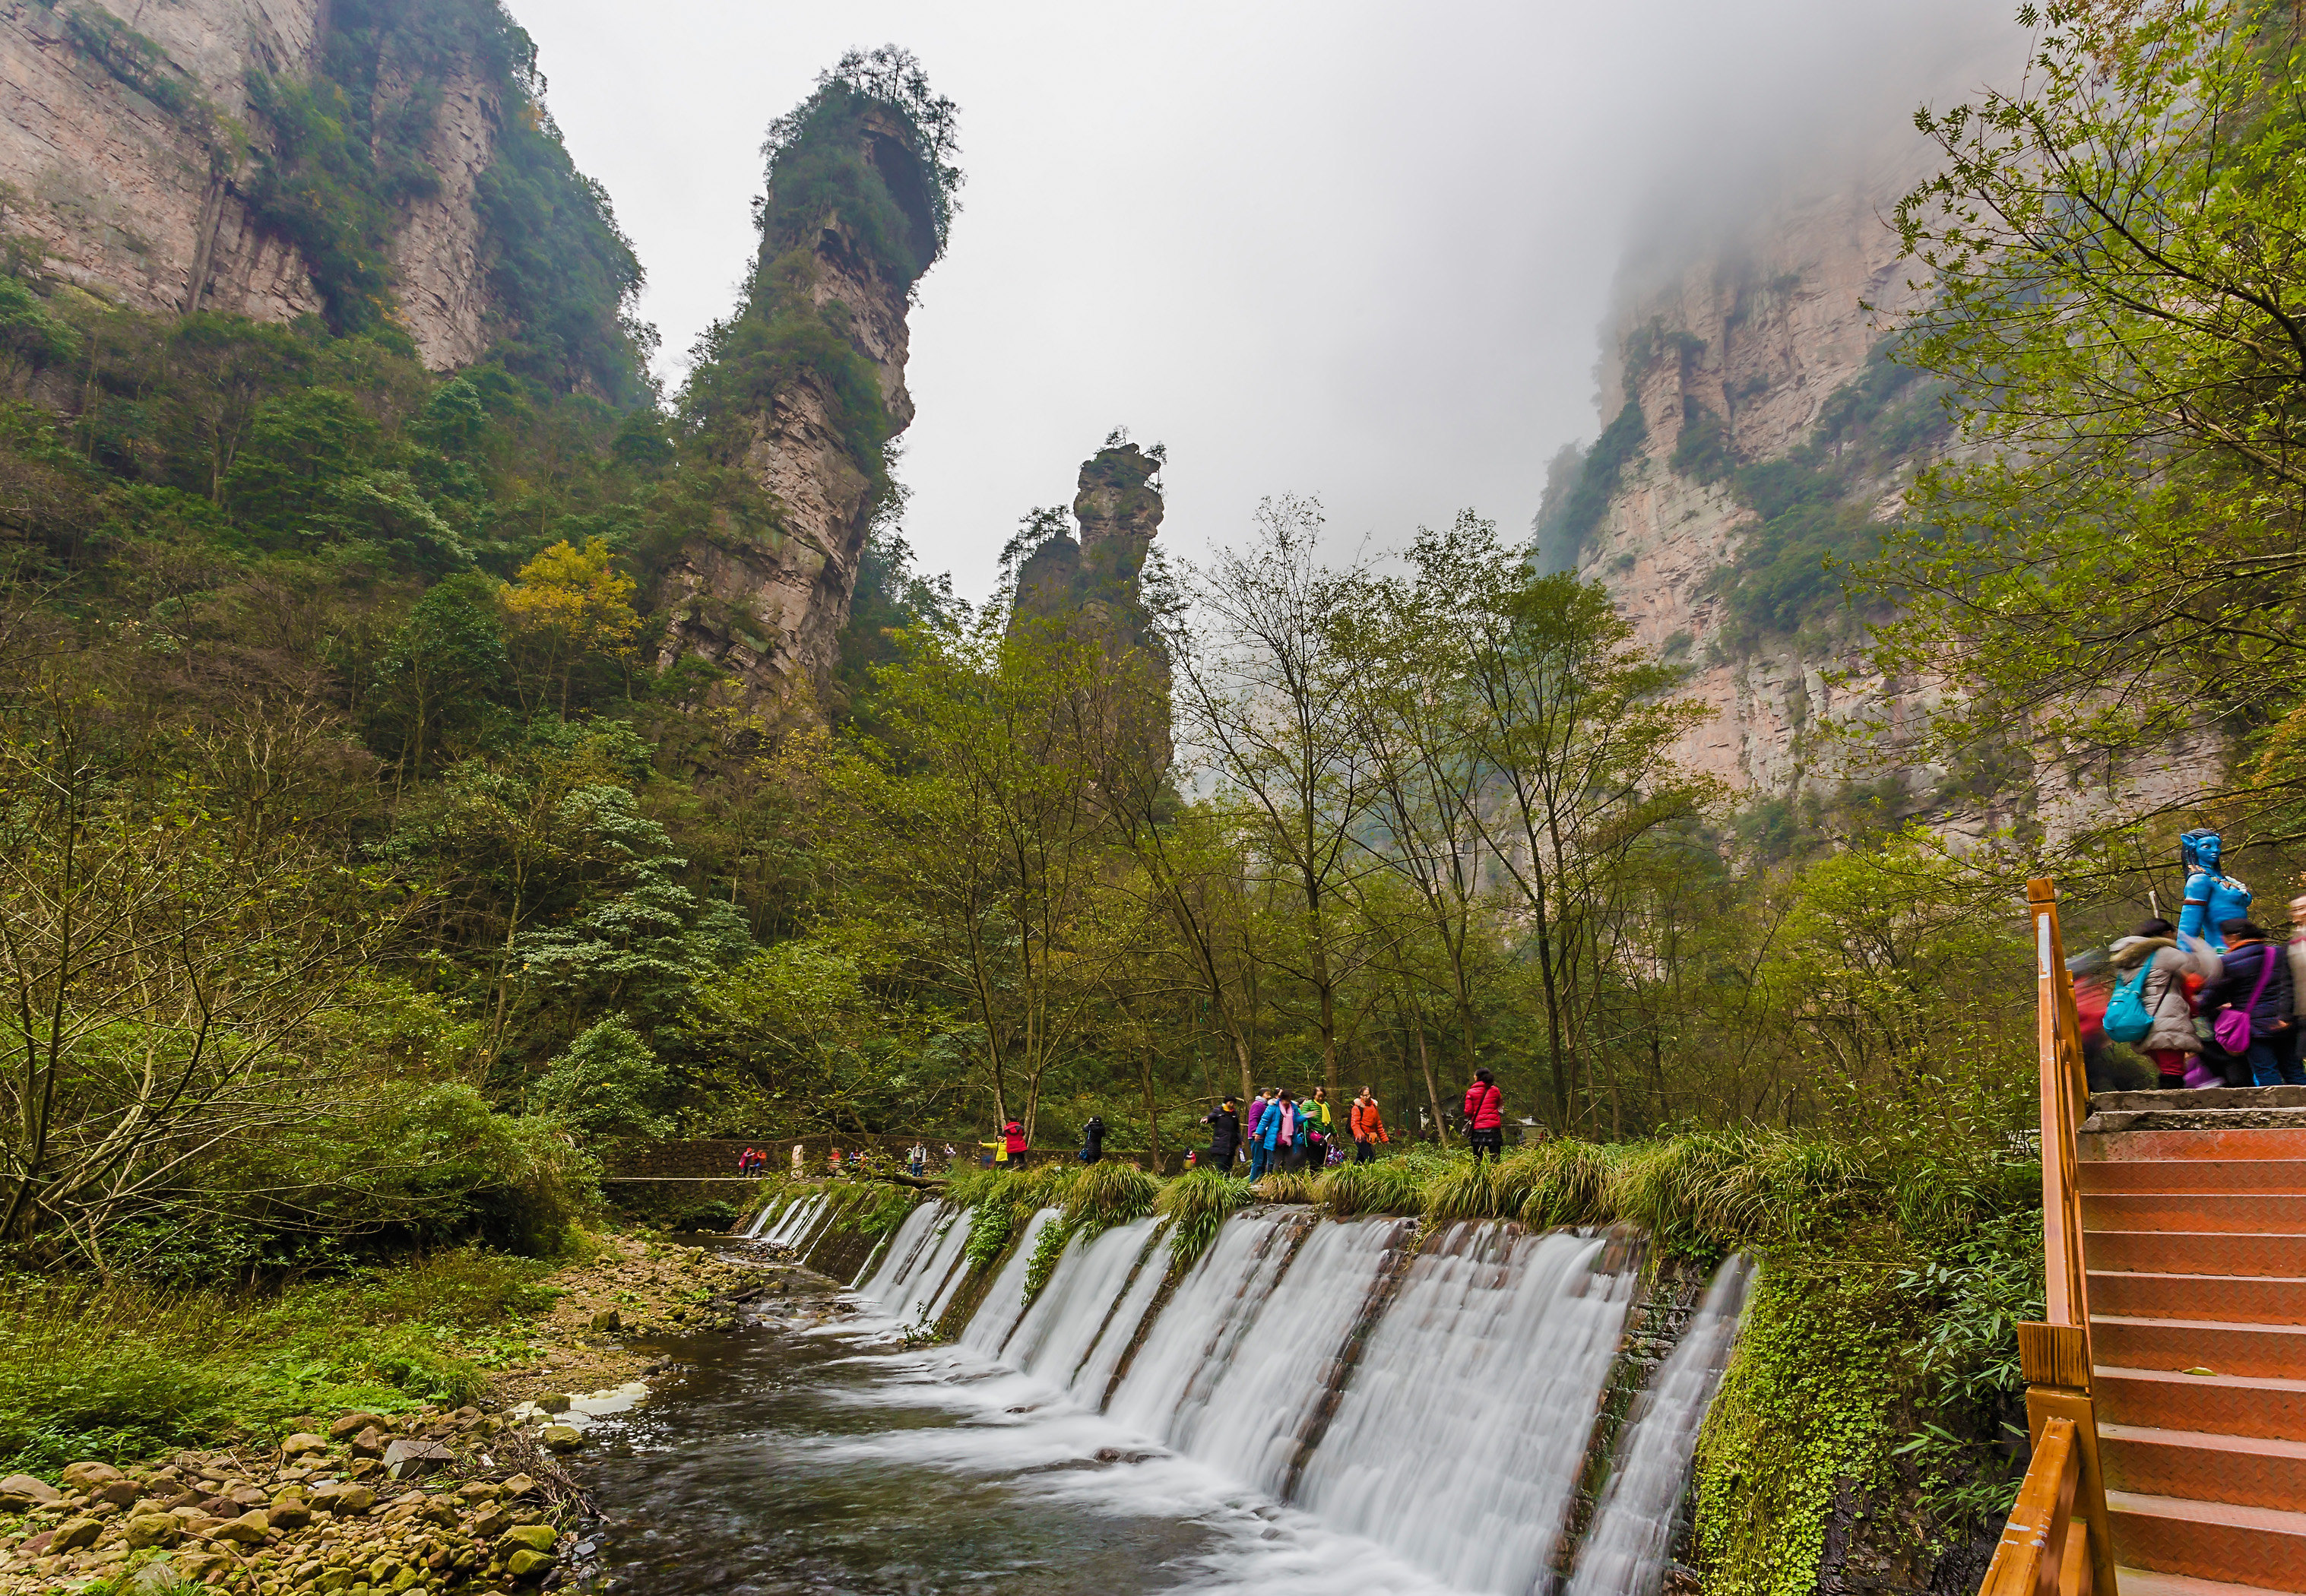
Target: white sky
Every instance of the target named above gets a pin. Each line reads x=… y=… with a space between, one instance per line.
x=1355 y=250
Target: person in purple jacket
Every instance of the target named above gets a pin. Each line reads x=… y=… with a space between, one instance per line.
x=2256 y=980
x=1259 y=1107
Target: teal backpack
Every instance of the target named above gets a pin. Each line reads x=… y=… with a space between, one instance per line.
x=2126 y=1016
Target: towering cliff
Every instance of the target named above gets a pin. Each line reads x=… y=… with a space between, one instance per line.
x=380 y=162
x=1752 y=429
x=1092 y=584
x=799 y=393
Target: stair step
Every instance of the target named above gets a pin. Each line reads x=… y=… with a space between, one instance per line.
x=2216 y=1096
x=2252 y=1143
x=2237 y=1213
x=2197 y=1252
x=2145 y=1582
x=2243 y=1470
x=2233 y=1298
x=2251 y=1351
x=2275 y=1176
x=2220 y=1403
x=2264 y=1548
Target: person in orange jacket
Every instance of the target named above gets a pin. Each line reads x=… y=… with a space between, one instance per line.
x=1368 y=1129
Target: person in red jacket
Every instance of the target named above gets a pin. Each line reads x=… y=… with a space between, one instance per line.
x=1368 y=1129
x=1013 y=1139
x=1485 y=1117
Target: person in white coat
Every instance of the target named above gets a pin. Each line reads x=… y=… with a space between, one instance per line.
x=2172 y=1043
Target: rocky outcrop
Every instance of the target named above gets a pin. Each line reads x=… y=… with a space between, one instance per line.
x=117 y=160
x=114 y=158
x=1755 y=333
x=439 y=277
x=765 y=595
x=1092 y=584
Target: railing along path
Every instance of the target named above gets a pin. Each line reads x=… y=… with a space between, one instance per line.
x=2058 y=1539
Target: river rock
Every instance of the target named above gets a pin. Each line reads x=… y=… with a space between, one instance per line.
x=553 y=1403
x=561 y=1438
x=118 y=1492
x=297 y=1444
x=76 y=1532
x=368 y=1443
x=352 y=1424
x=82 y=1476
x=406 y=1459
x=609 y=1322
x=519 y=1485
x=247 y=1530
x=35 y=1493
x=525 y=1564
x=151 y=1529
x=197 y=1565
x=292 y=1513
x=537 y=1536
x=344 y=1501
x=491 y=1524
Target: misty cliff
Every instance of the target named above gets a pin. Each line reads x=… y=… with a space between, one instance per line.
x=1751 y=428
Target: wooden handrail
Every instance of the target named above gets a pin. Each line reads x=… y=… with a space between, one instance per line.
x=2032 y=1556
x=2063 y=1490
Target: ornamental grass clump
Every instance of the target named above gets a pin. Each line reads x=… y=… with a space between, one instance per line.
x=1198 y=1203
x=1395 y=1185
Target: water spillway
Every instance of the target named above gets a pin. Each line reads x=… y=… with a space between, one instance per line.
x=1428 y=1395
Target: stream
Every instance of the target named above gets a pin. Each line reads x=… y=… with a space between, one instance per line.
x=1315 y=1408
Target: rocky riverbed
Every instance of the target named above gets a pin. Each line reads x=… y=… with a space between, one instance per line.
x=480 y=1499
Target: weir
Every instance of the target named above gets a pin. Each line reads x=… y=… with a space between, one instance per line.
x=1434 y=1393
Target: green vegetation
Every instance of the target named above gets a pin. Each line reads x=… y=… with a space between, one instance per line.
x=1577 y=490
x=123 y=1371
x=2109 y=564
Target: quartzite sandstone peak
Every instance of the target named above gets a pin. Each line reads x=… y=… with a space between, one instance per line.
x=769 y=603
x=1093 y=583
x=117 y=159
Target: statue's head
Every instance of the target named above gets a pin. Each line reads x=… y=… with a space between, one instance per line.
x=2198 y=850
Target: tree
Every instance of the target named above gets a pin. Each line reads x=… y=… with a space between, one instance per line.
x=2116 y=259
x=608 y=1083
x=438 y=674
x=1270 y=711
x=567 y=604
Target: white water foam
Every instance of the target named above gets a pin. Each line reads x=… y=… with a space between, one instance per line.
x=1625 y=1551
x=1082 y=1294
x=1005 y=1302
x=1459 y=1439
x=904 y=1250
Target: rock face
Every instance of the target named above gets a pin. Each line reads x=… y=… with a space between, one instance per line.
x=766 y=597
x=1758 y=331
x=1092 y=584
x=115 y=159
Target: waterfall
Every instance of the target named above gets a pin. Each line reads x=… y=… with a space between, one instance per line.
x=793 y=1223
x=997 y=1315
x=1459 y=1440
x=903 y=1252
x=1625 y=1552
x=1434 y=1393
x=1082 y=1293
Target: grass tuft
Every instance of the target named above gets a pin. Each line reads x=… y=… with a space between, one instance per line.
x=1198 y=1203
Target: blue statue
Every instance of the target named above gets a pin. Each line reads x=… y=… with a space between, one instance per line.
x=2212 y=898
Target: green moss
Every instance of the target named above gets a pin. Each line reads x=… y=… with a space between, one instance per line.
x=1806 y=1405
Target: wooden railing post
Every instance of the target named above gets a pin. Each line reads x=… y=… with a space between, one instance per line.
x=2055 y=1355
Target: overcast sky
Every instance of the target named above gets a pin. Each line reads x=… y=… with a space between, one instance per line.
x=1353 y=250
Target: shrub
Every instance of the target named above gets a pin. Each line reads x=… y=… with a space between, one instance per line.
x=1198 y=1204
x=607 y=1083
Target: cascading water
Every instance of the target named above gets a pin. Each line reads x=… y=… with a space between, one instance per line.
x=1625 y=1552
x=1432 y=1407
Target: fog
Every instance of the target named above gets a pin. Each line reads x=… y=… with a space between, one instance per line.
x=1357 y=250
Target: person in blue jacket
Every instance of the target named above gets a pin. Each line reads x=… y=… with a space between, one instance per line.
x=2212 y=897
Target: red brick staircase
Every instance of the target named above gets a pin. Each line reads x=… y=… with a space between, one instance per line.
x=2194 y=1218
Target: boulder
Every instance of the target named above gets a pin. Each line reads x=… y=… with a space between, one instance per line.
x=118 y=1492
x=525 y=1564
x=346 y=1500
x=368 y=1443
x=76 y=1532
x=561 y=1438
x=519 y=1485
x=354 y=1423
x=405 y=1459
x=536 y=1537
x=609 y=1322
x=152 y=1529
x=247 y=1530
x=196 y=1566
x=553 y=1403
x=85 y=1476
x=437 y=1511
x=36 y=1491
x=292 y=1513
x=297 y=1444
x=491 y=1524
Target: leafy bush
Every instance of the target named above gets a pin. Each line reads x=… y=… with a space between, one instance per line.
x=607 y=1083
x=1198 y=1203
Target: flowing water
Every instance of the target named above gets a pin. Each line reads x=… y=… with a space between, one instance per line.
x=1315 y=1407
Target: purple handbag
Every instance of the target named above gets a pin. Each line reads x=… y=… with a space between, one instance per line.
x=2230 y=1028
